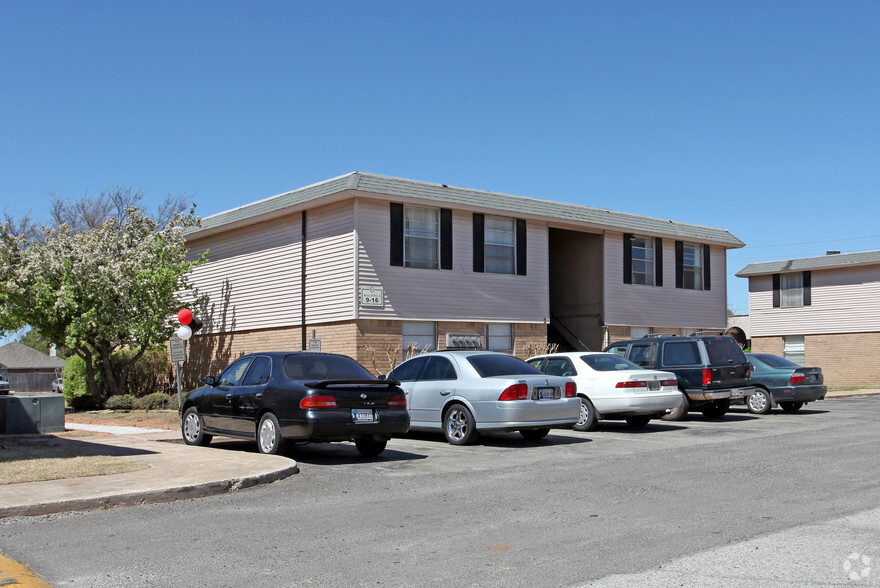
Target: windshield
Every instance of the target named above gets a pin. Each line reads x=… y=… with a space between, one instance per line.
x=324 y=367
x=608 y=362
x=500 y=365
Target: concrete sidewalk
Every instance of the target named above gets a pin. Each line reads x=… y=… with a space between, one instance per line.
x=176 y=471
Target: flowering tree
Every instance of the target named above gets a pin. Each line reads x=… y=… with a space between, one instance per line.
x=109 y=286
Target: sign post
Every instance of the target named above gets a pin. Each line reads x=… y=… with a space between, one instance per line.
x=178 y=355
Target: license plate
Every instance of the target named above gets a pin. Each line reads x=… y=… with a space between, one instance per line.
x=653 y=385
x=546 y=393
x=736 y=393
x=362 y=415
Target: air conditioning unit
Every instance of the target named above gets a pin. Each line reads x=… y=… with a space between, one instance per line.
x=462 y=341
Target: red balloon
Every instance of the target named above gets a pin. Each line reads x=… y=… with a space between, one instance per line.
x=185 y=316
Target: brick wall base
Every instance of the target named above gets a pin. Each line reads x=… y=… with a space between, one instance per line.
x=376 y=344
x=849 y=359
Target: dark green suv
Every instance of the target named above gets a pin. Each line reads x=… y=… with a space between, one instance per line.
x=711 y=369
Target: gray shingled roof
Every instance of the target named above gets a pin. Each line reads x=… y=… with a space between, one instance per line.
x=17 y=355
x=810 y=263
x=490 y=201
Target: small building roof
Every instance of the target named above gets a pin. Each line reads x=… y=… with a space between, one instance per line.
x=16 y=356
x=830 y=261
x=442 y=193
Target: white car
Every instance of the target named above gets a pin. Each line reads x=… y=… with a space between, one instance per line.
x=464 y=392
x=611 y=387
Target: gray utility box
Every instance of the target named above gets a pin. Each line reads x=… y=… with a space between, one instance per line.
x=28 y=414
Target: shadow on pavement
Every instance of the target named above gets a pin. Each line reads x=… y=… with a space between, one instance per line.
x=27 y=447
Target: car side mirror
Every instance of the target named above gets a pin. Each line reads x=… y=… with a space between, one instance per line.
x=210 y=381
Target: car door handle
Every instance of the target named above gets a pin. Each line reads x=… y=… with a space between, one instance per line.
x=445 y=392
x=229 y=397
x=259 y=394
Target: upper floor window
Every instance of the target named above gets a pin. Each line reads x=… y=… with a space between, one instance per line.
x=692 y=267
x=421 y=237
x=642 y=260
x=792 y=289
x=500 y=245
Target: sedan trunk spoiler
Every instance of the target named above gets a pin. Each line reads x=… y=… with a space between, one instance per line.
x=374 y=384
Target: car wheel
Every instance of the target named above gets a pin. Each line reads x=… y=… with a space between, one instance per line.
x=534 y=434
x=680 y=413
x=791 y=406
x=587 y=419
x=269 y=439
x=459 y=425
x=370 y=447
x=716 y=410
x=193 y=428
x=638 y=421
x=759 y=402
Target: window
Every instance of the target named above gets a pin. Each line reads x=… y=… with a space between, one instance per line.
x=421 y=237
x=408 y=371
x=499 y=337
x=682 y=353
x=234 y=373
x=608 y=362
x=420 y=335
x=792 y=290
x=643 y=260
x=259 y=373
x=305 y=366
x=639 y=332
x=500 y=245
x=692 y=267
x=644 y=355
x=559 y=366
x=794 y=349
x=489 y=365
x=438 y=368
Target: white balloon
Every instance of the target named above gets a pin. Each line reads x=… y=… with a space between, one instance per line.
x=184 y=332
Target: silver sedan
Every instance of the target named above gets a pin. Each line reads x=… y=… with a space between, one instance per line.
x=464 y=392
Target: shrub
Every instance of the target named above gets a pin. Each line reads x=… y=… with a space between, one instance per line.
x=147 y=375
x=76 y=392
x=121 y=402
x=156 y=401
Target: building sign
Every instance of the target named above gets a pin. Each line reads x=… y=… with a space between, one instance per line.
x=372 y=296
x=178 y=349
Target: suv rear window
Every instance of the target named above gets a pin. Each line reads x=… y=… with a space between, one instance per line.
x=723 y=350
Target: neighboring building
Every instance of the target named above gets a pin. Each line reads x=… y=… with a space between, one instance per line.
x=368 y=262
x=819 y=311
x=27 y=369
x=738 y=328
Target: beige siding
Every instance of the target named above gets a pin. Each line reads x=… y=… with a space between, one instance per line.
x=844 y=300
x=457 y=294
x=252 y=278
x=330 y=285
x=666 y=306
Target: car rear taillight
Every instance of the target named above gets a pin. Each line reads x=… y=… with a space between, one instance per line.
x=570 y=389
x=397 y=401
x=797 y=378
x=707 y=376
x=632 y=384
x=515 y=392
x=669 y=383
x=320 y=401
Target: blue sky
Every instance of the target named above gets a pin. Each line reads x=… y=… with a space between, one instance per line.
x=757 y=116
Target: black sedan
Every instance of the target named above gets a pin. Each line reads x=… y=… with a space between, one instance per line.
x=302 y=396
x=781 y=382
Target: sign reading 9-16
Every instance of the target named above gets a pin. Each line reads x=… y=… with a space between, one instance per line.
x=372 y=296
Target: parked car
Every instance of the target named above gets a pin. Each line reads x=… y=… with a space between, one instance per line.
x=464 y=392
x=4 y=385
x=783 y=383
x=611 y=387
x=301 y=396
x=58 y=385
x=711 y=369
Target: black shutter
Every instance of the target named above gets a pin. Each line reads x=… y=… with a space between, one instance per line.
x=479 y=242
x=808 y=288
x=707 y=272
x=397 y=234
x=521 y=251
x=658 y=261
x=445 y=238
x=776 y=297
x=679 y=264
x=627 y=258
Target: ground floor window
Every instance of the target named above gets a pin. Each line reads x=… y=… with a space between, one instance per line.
x=499 y=337
x=418 y=337
x=794 y=349
x=639 y=332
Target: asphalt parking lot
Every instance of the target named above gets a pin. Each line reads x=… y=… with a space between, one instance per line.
x=617 y=506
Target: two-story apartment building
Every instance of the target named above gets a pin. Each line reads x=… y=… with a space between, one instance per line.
x=367 y=265
x=819 y=311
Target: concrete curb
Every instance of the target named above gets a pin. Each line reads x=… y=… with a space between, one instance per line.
x=150 y=496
